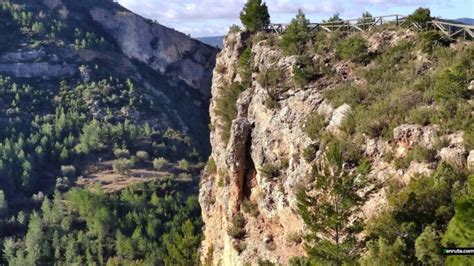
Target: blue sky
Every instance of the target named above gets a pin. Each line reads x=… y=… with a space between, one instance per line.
x=213 y=17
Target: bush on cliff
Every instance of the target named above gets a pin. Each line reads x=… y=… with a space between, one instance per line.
x=353 y=48
x=226 y=107
x=296 y=37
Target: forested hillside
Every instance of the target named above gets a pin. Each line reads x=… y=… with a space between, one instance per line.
x=99 y=149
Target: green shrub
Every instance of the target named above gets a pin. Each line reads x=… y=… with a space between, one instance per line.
x=451 y=84
x=142 y=156
x=353 y=48
x=469 y=139
x=427 y=201
x=271 y=38
x=269 y=78
x=431 y=39
x=364 y=167
x=271 y=102
x=349 y=124
x=160 y=163
x=346 y=93
x=122 y=165
x=296 y=36
x=183 y=165
x=270 y=170
x=121 y=153
x=234 y=28
x=421 y=116
x=185 y=177
x=305 y=70
x=417 y=154
x=250 y=207
x=68 y=170
x=226 y=108
x=244 y=66
x=211 y=167
x=314 y=125
x=237 y=229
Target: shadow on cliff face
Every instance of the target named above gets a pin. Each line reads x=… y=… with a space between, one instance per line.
x=250 y=180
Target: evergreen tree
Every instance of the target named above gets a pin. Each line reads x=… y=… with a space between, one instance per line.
x=460 y=231
x=420 y=17
x=427 y=247
x=9 y=249
x=297 y=35
x=381 y=252
x=181 y=246
x=328 y=213
x=365 y=20
x=34 y=239
x=334 y=18
x=255 y=16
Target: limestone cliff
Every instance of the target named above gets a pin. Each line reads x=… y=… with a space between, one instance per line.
x=261 y=136
x=172 y=53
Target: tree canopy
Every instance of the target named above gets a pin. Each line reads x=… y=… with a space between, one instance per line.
x=255 y=16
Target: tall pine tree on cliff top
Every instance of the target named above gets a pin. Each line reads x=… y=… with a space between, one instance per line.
x=255 y=15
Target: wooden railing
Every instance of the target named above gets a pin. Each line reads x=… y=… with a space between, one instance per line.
x=448 y=28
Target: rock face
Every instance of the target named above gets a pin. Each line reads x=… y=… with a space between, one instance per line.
x=261 y=137
x=170 y=52
x=470 y=161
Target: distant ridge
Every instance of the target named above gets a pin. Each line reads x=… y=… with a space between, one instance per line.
x=216 y=41
x=469 y=21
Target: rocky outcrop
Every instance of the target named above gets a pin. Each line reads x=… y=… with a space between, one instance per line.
x=415 y=134
x=454 y=155
x=172 y=53
x=262 y=165
x=470 y=162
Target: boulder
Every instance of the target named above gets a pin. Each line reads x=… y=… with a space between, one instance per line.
x=338 y=117
x=426 y=137
x=470 y=161
x=454 y=155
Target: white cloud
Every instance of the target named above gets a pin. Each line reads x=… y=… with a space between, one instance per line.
x=213 y=17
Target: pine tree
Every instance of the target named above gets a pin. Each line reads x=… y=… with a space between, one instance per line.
x=331 y=237
x=255 y=16
x=382 y=252
x=34 y=239
x=9 y=248
x=297 y=35
x=427 y=247
x=181 y=246
x=420 y=17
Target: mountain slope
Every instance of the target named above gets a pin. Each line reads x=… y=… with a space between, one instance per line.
x=94 y=96
x=469 y=21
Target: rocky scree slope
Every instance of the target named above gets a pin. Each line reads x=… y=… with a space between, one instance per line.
x=255 y=174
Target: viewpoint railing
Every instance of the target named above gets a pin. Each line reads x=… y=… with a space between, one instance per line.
x=450 y=29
